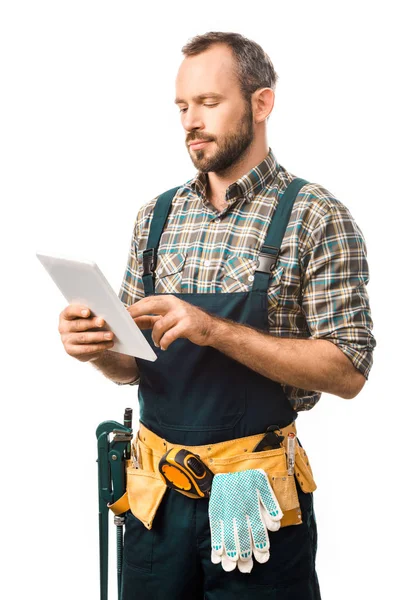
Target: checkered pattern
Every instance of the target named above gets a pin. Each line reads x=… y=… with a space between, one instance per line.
x=318 y=288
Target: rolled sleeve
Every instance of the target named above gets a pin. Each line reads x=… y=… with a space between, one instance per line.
x=335 y=301
x=131 y=289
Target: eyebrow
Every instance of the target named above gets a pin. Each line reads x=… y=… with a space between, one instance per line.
x=201 y=97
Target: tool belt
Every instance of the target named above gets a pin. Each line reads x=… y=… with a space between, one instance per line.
x=145 y=487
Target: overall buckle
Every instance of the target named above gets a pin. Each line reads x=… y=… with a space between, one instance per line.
x=267 y=259
x=149 y=261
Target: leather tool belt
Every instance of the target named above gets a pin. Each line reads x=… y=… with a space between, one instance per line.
x=145 y=488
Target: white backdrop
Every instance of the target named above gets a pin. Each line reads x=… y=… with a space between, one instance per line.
x=87 y=90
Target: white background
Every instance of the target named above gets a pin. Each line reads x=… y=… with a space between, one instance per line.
x=87 y=90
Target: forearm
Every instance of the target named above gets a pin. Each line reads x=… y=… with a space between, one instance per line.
x=121 y=368
x=307 y=364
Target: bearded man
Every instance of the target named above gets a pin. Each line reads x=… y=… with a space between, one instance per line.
x=250 y=285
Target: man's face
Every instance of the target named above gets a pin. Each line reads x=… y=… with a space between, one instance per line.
x=213 y=109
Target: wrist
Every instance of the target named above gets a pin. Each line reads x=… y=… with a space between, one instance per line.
x=120 y=368
x=217 y=332
x=101 y=358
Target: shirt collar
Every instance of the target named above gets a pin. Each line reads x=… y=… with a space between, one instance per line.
x=247 y=186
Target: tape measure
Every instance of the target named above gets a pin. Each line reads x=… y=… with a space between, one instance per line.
x=185 y=472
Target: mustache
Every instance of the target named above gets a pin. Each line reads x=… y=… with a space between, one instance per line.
x=197 y=137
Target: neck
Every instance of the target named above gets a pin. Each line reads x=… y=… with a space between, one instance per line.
x=219 y=182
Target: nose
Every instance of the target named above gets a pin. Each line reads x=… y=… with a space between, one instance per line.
x=191 y=119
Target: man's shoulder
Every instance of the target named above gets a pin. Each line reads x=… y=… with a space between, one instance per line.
x=147 y=209
x=322 y=198
x=314 y=202
x=316 y=209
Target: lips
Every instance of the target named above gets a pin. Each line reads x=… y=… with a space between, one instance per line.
x=198 y=144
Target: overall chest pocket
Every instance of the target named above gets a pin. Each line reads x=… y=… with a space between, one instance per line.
x=169 y=271
x=238 y=274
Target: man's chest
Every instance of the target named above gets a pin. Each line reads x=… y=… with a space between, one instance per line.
x=203 y=251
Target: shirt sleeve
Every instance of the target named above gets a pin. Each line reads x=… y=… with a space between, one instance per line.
x=335 y=275
x=131 y=289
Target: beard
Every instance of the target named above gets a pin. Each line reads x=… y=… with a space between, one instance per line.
x=231 y=148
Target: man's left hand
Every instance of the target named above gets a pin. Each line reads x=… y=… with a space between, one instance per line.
x=172 y=318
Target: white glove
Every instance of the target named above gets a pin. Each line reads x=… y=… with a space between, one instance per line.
x=243 y=507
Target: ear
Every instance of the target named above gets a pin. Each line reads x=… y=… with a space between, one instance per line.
x=262 y=103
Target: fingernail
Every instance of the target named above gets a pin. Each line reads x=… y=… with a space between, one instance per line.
x=107 y=335
x=99 y=322
x=85 y=313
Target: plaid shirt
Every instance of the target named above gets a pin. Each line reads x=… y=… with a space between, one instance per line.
x=318 y=287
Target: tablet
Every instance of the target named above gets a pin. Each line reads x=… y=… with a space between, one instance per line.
x=81 y=281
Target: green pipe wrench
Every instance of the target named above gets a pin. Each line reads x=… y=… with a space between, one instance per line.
x=113 y=449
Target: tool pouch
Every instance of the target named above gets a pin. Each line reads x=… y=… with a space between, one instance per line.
x=145 y=492
x=303 y=470
x=274 y=463
x=144 y=486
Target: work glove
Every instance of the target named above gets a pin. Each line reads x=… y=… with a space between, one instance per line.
x=242 y=508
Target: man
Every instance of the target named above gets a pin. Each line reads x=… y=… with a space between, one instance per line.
x=244 y=341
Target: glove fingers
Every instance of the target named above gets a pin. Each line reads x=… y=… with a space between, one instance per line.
x=227 y=563
x=266 y=518
x=242 y=533
x=261 y=557
x=245 y=566
x=215 y=558
x=260 y=541
x=216 y=528
x=259 y=534
x=267 y=496
x=230 y=537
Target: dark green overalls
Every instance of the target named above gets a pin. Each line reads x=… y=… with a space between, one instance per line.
x=197 y=395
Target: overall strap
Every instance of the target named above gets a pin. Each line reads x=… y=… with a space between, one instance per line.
x=269 y=251
x=158 y=220
x=276 y=230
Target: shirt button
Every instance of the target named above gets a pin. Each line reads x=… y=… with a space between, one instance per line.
x=218 y=220
x=207 y=263
x=251 y=277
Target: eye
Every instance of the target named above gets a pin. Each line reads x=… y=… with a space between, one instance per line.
x=208 y=105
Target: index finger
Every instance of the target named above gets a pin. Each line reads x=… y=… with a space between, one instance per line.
x=73 y=311
x=151 y=305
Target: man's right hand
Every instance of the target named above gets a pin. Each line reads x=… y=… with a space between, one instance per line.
x=81 y=335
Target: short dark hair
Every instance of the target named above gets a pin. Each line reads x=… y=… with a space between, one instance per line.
x=254 y=68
